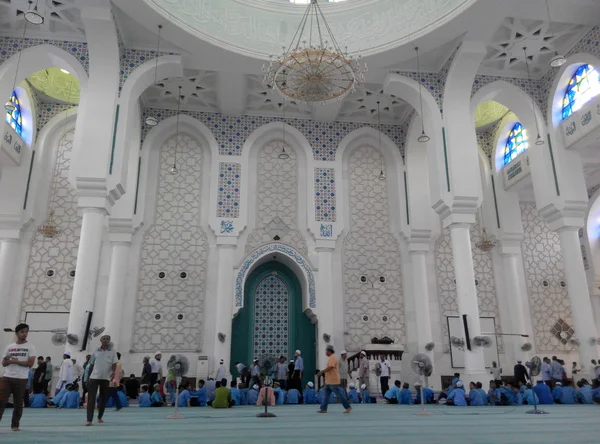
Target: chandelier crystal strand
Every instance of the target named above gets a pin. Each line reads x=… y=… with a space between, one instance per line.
x=313 y=69
x=538 y=140
x=151 y=120
x=381 y=172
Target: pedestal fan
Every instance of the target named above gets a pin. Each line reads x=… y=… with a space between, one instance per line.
x=180 y=366
x=421 y=365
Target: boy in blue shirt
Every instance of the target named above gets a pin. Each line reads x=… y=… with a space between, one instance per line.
x=55 y=401
x=144 y=398
x=293 y=396
x=569 y=395
x=366 y=397
x=279 y=394
x=480 y=389
x=201 y=394
x=38 y=399
x=156 y=398
x=518 y=397
x=427 y=394
x=585 y=392
x=475 y=398
x=492 y=393
x=458 y=396
x=391 y=396
x=184 y=396
x=543 y=393
x=72 y=399
x=252 y=396
x=235 y=394
x=353 y=397
x=309 y=393
x=405 y=395
x=530 y=397
x=557 y=393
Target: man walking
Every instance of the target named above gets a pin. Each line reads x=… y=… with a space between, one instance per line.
x=104 y=364
x=521 y=374
x=384 y=375
x=332 y=382
x=298 y=371
x=17 y=359
x=345 y=373
x=363 y=369
x=65 y=375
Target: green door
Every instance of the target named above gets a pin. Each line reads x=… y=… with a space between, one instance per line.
x=272 y=323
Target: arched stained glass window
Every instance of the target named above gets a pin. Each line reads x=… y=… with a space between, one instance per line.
x=517 y=143
x=14 y=118
x=583 y=87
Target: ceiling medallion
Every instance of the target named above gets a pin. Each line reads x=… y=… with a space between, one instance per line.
x=48 y=228
x=314 y=69
x=485 y=244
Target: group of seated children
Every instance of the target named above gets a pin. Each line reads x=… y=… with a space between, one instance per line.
x=70 y=398
x=398 y=394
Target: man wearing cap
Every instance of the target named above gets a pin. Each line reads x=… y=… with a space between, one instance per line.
x=363 y=369
x=156 y=369
x=332 y=382
x=298 y=371
x=65 y=375
x=221 y=371
x=521 y=374
x=103 y=364
x=345 y=373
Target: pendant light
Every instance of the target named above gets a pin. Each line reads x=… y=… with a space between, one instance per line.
x=538 y=140
x=32 y=15
x=173 y=169
x=9 y=106
x=423 y=138
x=283 y=155
x=151 y=120
x=381 y=172
x=558 y=60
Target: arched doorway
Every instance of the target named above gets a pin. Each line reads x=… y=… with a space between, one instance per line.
x=271 y=323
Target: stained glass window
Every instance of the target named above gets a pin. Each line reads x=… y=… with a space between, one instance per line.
x=14 y=118
x=517 y=143
x=583 y=86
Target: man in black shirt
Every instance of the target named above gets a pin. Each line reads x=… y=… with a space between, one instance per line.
x=521 y=374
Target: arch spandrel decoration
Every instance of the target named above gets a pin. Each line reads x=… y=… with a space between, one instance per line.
x=256 y=255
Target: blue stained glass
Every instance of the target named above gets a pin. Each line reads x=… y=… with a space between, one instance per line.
x=516 y=144
x=15 y=118
x=583 y=87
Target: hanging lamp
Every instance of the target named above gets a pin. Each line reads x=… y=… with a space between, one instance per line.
x=283 y=155
x=558 y=60
x=173 y=169
x=538 y=140
x=151 y=120
x=9 y=106
x=423 y=138
x=381 y=172
x=32 y=15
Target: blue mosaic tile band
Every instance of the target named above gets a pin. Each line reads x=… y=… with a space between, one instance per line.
x=47 y=111
x=228 y=200
x=274 y=248
x=11 y=45
x=132 y=58
x=325 y=198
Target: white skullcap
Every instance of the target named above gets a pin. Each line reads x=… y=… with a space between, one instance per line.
x=352 y=385
x=104 y=335
x=417 y=384
x=343 y=352
x=299 y=352
x=363 y=387
x=559 y=383
x=459 y=383
x=255 y=386
x=310 y=384
x=158 y=353
x=363 y=353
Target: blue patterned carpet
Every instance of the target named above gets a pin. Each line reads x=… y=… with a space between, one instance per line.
x=300 y=424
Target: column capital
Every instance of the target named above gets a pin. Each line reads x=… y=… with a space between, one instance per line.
x=12 y=225
x=325 y=245
x=120 y=230
x=571 y=215
x=92 y=192
x=460 y=209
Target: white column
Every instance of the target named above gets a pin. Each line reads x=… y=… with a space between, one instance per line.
x=325 y=302
x=117 y=283
x=466 y=296
x=86 y=276
x=9 y=248
x=224 y=306
x=418 y=259
x=581 y=304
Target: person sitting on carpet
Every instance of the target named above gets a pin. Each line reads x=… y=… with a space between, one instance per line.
x=458 y=395
x=156 y=398
x=365 y=395
x=585 y=392
x=252 y=396
x=474 y=398
x=185 y=397
x=55 y=401
x=557 y=393
x=293 y=396
x=132 y=387
x=491 y=394
x=484 y=396
x=268 y=393
x=244 y=394
x=543 y=393
x=353 y=397
x=279 y=394
x=530 y=397
x=222 y=397
x=405 y=395
x=391 y=395
x=236 y=395
x=309 y=393
x=569 y=395
x=428 y=394
x=518 y=397
x=144 y=400
x=200 y=394
x=72 y=399
x=596 y=391
x=38 y=399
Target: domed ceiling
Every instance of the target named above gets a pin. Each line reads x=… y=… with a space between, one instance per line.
x=257 y=28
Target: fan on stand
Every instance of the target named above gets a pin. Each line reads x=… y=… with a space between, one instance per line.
x=536 y=366
x=59 y=336
x=421 y=365
x=180 y=366
x=266 y=413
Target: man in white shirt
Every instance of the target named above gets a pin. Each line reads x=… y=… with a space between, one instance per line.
x=77 y=371
x=65 y=375
x=363 y=369
x=156 y=369
x=221 y=371
x=384 y=376
x=17 y=359
x=104 y=363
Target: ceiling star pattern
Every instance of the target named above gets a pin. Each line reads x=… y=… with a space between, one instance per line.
x=198 y=91
x=61 y=17
x=362 y=105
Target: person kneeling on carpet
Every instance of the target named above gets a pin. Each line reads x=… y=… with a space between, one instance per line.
x=458 y=395
x=222 y=397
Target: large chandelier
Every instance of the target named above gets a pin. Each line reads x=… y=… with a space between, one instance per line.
x=314 y=69
x=48 y=229
x=485 y=244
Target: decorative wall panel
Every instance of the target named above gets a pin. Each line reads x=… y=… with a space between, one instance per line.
x=172 y=278
x=11 y=45
x=548 y=295
x=372 y=308
x=50 y=273
x=271 y=320
x=277 y=199
x=228 y=199
x=325 y=198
